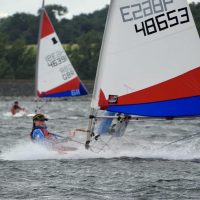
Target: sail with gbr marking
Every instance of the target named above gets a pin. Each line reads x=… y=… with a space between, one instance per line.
x=149 y=63
x=55 y=75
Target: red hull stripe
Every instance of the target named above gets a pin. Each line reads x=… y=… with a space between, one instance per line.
x=71 y=85
x=185 y=85
x=47 y=27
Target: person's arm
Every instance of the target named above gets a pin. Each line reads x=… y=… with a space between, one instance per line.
x=37 y=135
x=59 y=138
x=20 y=108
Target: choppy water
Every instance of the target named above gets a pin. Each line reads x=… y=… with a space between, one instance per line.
x=133 y=167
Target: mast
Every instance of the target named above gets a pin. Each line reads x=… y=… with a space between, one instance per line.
x=94 y=106
x=43 y=3
x=99 y=70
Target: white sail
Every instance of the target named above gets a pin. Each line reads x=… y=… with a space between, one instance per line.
x=150 y=54
x=56 y=76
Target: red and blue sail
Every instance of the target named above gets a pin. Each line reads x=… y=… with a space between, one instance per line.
x=179 y=96
x=149 y=63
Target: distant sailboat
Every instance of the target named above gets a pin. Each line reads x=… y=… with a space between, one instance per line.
x=149 y=64
x=55 y=75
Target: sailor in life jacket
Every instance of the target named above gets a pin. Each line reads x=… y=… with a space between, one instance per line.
x=16 y=108
x=115 y=126
x=39 y=131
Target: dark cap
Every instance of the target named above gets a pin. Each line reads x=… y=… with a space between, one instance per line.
x=39 y=117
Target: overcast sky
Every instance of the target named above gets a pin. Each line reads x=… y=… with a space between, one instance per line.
x=75 y=7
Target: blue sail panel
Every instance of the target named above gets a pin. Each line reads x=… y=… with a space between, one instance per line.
x=71 y=93
x=172 y=108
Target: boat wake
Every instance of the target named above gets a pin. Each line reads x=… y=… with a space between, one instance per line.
x=190 y=150
x=26 y=151
x=19 y=114
x=116 y=149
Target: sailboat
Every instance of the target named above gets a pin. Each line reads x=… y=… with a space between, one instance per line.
x=149 y=65
x=55 y=75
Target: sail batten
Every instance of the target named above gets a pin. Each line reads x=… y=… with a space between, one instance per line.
x=149 y=63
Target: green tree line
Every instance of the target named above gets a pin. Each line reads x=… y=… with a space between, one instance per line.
x=82 y=36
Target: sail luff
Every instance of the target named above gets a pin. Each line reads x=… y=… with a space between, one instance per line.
x=42 y=10
x=94 y=102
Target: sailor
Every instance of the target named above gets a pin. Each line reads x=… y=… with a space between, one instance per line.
x=119 y=125
x=114 y=124
x=39 y=131
x=16 y=108
x=104 y=125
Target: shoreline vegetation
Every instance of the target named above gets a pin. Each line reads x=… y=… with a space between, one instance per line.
x=81 y=38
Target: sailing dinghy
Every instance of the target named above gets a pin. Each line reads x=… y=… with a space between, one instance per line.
x=55 y=75
x=149 y=65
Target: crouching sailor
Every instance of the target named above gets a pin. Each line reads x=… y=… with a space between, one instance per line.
x=115 y=126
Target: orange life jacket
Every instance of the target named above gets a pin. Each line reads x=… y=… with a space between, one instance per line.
x=14 y=109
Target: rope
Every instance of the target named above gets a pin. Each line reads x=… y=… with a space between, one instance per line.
x=70 y=139
x=92 y=146
x=67 y=138
x=120 y=118
x=77 y=142
x=105 y=144
x=39 y=107
x=185 y=138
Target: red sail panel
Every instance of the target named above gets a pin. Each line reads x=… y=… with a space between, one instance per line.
x=71 y=85
x=185 y=85
x=47 y=27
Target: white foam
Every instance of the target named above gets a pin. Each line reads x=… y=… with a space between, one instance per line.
x=31 y=151
x=27 y=151
x=21 y=113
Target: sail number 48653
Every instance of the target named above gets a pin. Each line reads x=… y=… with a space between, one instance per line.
x=161 y=18
x=163 y=21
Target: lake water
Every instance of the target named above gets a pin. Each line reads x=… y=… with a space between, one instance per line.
x=136 y=166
